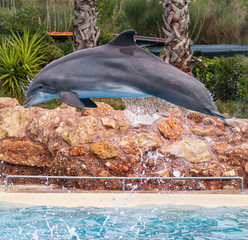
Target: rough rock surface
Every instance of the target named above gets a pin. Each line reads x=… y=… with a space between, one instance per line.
x=104 y=142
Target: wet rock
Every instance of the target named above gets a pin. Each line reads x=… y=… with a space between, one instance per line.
x=234 y=156
x=24 y=153
x=77 y=130
x=246 y=168
x=78 y=150
x=193 y=150
x=200 y=131
x=195 y=116
x=121 y=167
x=220 y=147
x=139 y=120
x=161 y=173
x=140 y=142
x=170 y=129
x=209 y=170
x=230 y=173
x=104 y=150
x=13 y=121
x=174 y=112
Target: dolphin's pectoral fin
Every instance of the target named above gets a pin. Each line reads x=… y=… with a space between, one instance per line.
x=88 y=103
x=71 y=99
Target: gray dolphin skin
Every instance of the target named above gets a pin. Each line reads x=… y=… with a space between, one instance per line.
x=119 y=69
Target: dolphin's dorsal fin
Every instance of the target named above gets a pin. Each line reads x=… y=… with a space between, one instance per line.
x=124 y=39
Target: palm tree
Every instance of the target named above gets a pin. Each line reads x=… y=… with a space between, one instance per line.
x=176 y=27
x=85 y=33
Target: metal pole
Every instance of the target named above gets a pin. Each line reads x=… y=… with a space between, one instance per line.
x=6 y=184
x=242 y=185
x=123 y=184
x=124 y=178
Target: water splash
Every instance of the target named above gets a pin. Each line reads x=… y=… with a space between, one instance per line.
x=146 y=105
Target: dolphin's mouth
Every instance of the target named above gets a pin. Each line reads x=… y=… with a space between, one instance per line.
x=29 y=101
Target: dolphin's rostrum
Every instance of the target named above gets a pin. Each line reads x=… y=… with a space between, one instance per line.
x=119 y=69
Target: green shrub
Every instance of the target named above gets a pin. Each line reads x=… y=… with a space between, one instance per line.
x=20 y=58
x=243 y=86
x=53 y=52
x=66 y=47
x=145 y=16
x=104 y=38
x=222 y=21
x=222 y=76
x=112 y=18
x=26 y=18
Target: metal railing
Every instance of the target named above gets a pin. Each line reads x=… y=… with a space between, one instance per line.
x=124 y=179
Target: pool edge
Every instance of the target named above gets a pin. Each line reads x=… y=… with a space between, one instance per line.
x=124 y=200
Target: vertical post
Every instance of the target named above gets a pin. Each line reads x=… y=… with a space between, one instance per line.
x=123 y=184
x=6 y=184
x=242 y=185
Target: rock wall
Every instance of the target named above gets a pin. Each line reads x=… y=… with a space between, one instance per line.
x=103 y=142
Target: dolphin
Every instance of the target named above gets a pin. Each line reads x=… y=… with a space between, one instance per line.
x=119 y=69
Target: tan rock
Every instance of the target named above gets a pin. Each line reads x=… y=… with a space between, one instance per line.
x=123 y=126
x=108 y=122
x=161 y=173
x=220 y=147
x=246 y=167
x=228 y=187
x=104 y=150
x=107 y=134
x=77 y=130
x=12 y=121
x=200 y=131
x=230 y=173
x=42 y=127
x=193 y=150
x=24 y=153
x=8 y=102
x=78 y=150
x=102 y=110
x=170 y=129
x=140 y=142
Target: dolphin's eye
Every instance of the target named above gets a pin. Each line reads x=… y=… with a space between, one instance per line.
x=40 y=86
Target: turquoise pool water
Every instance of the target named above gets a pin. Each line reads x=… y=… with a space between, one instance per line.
x=94 y=223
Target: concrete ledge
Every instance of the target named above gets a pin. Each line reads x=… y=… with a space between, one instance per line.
x=124 y=200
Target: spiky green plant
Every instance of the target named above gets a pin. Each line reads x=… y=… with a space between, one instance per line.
x=20 y=58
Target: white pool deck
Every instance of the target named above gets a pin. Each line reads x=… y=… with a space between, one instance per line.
x=113 y=199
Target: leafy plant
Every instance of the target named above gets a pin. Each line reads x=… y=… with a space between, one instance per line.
x=144 y=16
x=20 y=58
x=26 y=18
x=222 y=75
x=104 y=38
x=215 y=22
x=243 y=86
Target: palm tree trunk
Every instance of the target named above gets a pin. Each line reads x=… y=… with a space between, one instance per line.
x=176 y=27
x=85 y=32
